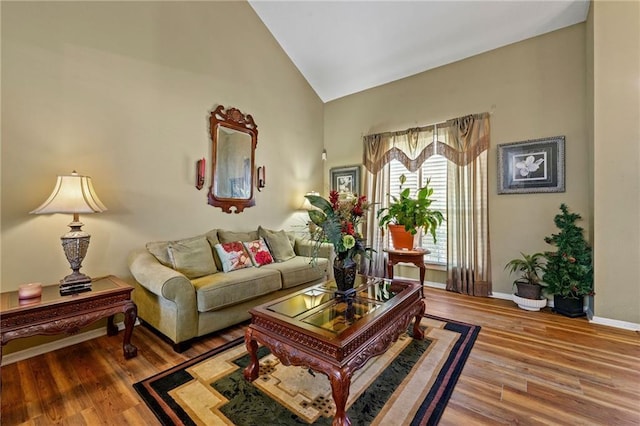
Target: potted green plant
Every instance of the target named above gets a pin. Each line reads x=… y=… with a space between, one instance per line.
x=406 y=215
x=569 y=270
x=528 y=284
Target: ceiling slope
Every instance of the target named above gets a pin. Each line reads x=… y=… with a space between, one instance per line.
x=344 y=47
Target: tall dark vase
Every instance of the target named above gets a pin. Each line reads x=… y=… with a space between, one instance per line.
x=344 y=272
x=568 y=307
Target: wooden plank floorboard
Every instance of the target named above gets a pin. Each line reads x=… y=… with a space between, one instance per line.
x=526 y=368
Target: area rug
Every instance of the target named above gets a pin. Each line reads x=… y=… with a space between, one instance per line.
x=409 y=384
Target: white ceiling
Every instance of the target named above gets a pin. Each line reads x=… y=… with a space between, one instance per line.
x=343 y=47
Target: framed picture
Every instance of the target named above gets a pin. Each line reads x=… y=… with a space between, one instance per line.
x=531 y=166
x=345 y=180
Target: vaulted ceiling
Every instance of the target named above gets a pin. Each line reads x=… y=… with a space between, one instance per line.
x=344 y=47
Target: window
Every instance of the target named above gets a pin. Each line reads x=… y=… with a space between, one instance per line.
x=434 y=168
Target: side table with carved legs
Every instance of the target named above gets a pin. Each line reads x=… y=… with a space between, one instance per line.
x=52 y=313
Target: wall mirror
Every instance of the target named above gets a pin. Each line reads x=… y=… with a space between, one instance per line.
x=234 y=137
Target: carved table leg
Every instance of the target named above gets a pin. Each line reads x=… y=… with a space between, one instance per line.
x=418 y=334
x=340 y=383
x=112 y=330
x=253 y=369
x=130 y=315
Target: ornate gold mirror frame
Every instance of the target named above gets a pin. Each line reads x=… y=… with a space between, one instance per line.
x=234 y=137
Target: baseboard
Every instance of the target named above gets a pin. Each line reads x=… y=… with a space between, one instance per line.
x=432 y=284
x=58 y=344
x=594 y=319
x=615 y=323
x=503 y=296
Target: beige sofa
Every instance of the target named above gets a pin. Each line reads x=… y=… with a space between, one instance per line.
x=183 y=295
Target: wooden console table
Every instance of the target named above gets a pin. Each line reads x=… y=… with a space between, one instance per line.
x=55 y=314
x=415 y=256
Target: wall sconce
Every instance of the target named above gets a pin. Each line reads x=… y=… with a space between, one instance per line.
x=324 y=155
x=261 y=178
x=200 y=169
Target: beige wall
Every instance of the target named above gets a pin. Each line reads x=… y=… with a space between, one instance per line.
x=616 y=145
x=121 y=91
x=534 y=89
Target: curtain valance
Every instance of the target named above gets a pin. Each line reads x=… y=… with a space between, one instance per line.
x=460 y=140
x=411 y=147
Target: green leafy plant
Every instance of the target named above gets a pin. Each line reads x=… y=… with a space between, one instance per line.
x=529 y=266
x=412 y=213
x=569 y=270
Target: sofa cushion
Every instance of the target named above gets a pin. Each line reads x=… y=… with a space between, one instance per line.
x=192 y=257
x=279 y=244
x=259 y=252
x=230 y=236
x=297 y=271
x=233 y=256
x=159 y=250
x=212 y=237
x=218 y=291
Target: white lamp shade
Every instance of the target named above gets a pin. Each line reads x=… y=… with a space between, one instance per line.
x=306 y=205
x=72 y=194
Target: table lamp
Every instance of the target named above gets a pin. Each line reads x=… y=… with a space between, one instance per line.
x=73 y=194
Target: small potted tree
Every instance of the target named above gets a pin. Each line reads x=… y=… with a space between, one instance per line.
x=406 y=215
x=569 y=269
x=528 y=284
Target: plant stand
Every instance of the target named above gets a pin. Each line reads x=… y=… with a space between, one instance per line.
x=568 y=307
x=529 y=304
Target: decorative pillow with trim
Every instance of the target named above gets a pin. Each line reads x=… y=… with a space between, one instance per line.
x=279 y=244
x=259 y=252
x=233 y=256
x=192 y=257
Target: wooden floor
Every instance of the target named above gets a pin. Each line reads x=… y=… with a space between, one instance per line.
x=525 y=368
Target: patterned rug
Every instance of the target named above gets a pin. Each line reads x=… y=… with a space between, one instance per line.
x=409 y=384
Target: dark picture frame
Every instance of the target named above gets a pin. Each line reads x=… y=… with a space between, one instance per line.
x=535 y=165
x=345 y=180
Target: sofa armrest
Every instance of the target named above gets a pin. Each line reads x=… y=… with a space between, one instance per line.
x=310 y=248
x=159 y=279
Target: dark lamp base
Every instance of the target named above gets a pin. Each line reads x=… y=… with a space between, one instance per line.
x=66 y=289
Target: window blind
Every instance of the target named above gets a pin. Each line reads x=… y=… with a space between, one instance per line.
x=435 y=168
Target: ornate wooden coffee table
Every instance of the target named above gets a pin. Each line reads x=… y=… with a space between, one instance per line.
x=315 y=328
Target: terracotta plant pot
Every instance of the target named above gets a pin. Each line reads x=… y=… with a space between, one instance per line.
x=401 y=239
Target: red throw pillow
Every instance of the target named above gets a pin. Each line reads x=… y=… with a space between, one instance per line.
x=260 y=254
x=233 y=256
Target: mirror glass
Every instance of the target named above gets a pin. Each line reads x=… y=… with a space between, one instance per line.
x=234 y=137
x=233 y=164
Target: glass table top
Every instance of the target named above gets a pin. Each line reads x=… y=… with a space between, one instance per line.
x=321 y=306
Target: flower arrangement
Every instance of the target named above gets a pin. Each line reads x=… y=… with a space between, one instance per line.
x=337 y=222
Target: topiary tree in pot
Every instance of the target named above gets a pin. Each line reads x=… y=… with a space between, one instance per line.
x=569 y=270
